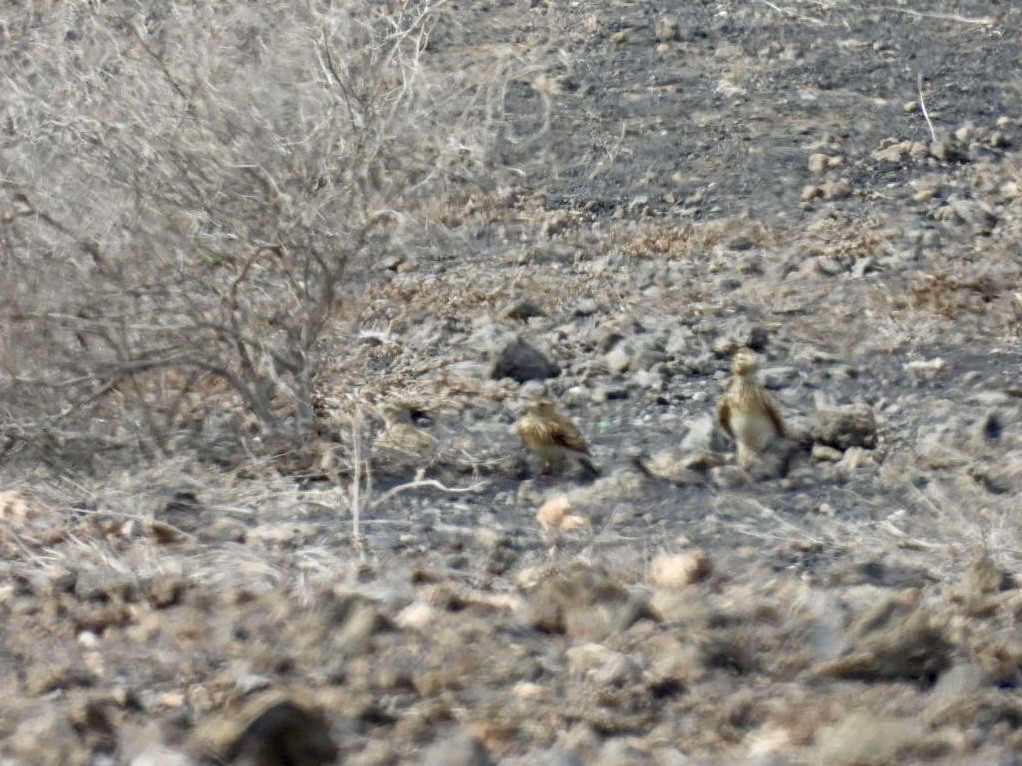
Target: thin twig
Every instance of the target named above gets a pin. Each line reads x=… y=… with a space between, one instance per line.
x=793 y=14
x=922 y=106
x=904 y=541
x=357 y=464
x=430 y=484
x=29 y=553
x=981 y=21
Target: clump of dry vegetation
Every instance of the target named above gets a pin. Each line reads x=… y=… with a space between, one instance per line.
x=189 y=193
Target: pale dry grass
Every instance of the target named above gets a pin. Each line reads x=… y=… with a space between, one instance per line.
x=213 y=187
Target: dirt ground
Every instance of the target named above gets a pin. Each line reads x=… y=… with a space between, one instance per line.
x=838 y=187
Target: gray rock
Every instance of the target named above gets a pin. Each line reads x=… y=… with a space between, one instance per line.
x=738 y=333
x=898 y=638
x=619 y=752
x=46 y=737
x=610 y=392
x=586 y=306
x=679 y=342
x=778 y=377
x=582 y=603
x=158 y=755
x=618 y=359
x=1002 y=477
x=375 y=753
x=533 y=389
x=678 y=467
x=582 y=741
x=649 y=379
x=603 y=666
x=940 y=448
x=522 y=361
x=961 y=680
x=729 y=477
x=975 y=213
x=468 y=369
x=668 y=29
x=823 y=454
x=604 y=337
x=511 y=356
x=852 y=425
x=555 y=756
x=457 y=750
x=856 y=458
x=863 y=266
x=522 y=310
x=865 y=738
x=702 y=434
x=636 y=353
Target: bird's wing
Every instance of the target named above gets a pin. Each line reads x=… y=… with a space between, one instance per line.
x=407 y=440
x=724 y=416
x=566 y=434
x=535 y=432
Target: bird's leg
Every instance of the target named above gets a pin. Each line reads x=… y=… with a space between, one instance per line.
x=746 y=457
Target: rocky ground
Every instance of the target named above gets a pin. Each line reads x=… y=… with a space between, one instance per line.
x=836 y=187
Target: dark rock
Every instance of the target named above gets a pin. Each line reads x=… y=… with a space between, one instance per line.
x=852 y=425
x=522 y=310
x=582 y=602
x=899 y=639
x=282 y=734
x=509 y=355
x=521 y=361
x=92 y=722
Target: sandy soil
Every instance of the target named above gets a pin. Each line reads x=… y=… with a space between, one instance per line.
x=662 y=188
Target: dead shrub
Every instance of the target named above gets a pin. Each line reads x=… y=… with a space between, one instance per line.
x=189 y=191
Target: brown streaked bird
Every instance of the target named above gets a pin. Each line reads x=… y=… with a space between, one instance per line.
x=747 y=413
x=402 y=443
x=554 y=437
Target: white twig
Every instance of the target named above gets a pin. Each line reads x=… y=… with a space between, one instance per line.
x=793 y=14
x=904 y=541
x=357 y=464
x=922 y=106
x=981 y=21
x=429 y=484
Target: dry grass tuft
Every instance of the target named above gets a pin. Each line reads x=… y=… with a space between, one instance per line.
x=214 y=186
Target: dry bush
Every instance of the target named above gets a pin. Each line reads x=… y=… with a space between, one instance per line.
x=189 y=190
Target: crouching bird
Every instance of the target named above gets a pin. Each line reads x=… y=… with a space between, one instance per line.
x=554 y=438
x=402 y=445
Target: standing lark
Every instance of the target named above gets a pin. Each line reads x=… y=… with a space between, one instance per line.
x=554 y=437
x=747 y=413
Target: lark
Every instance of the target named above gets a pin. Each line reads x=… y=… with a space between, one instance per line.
x=554 y=437
x=401 y=443
x=747 y=413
